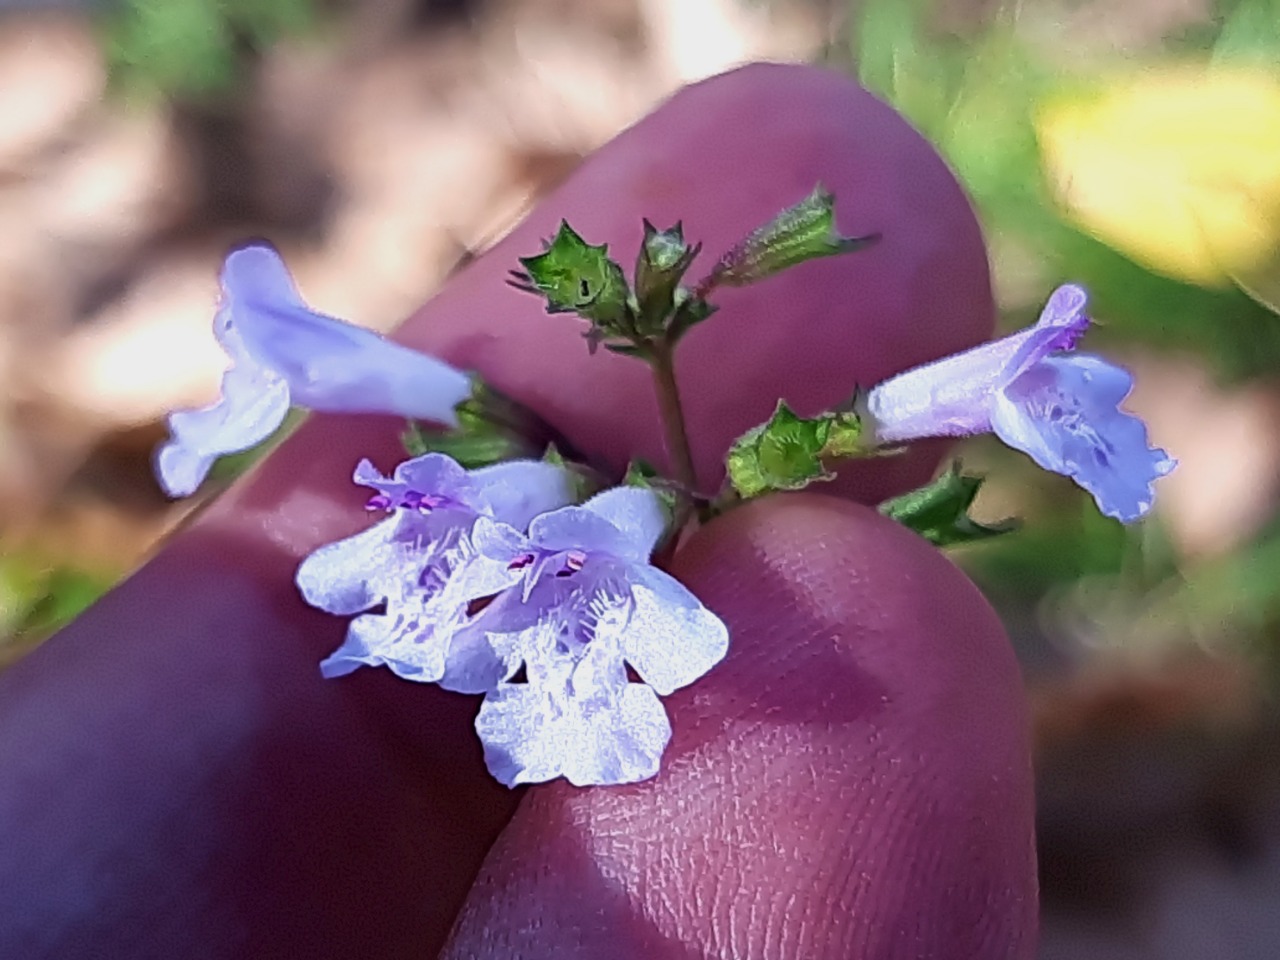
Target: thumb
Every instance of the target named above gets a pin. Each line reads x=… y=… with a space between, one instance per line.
x=853 y=781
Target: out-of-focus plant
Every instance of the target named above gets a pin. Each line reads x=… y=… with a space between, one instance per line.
x=1177 y=166
x=194 y=47
x=988 y=101
x=1153 y=178
x=37 y=597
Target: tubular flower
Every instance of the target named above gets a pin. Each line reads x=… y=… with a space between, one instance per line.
x=1060 y=408
x=589 y=604
x=421 y=561
x=284 y=353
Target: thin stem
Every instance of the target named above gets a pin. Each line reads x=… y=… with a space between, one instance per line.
x=664 y=379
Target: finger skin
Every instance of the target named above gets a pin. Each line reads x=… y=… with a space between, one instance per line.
x=175 y=777
x=854 y=781
x=810 y=335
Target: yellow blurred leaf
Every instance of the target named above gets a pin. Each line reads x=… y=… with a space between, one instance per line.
x=1177 y=167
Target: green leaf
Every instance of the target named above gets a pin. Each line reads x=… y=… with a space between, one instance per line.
x=939 y=511
x=576 y=277
x=899 y=60
x=663 y=259
x=783 y=454
x=191 y=48
x=803 y=232
x=1250 y=34
x=472 y=448
x=491 y=428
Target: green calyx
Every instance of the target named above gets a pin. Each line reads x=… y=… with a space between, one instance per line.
x=800 y=233
x=576 y=277
x=661 y=264
x=939 y=511
x=790 y=452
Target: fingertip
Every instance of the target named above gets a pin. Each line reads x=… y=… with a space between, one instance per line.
x=853 y=781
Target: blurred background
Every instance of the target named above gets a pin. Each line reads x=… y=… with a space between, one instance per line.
x=1131 y=145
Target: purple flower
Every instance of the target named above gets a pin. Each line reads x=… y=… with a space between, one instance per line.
x=284 y=353
x=589 y=604
x=1060 y=408
x=421 y=562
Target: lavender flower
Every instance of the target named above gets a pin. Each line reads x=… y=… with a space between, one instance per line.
x=589 y=603
x=1060 y=408
x=421 y=561
x=284 y=353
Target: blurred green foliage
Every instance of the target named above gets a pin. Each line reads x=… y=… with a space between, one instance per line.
x=975 y=96
x=194 y=47
x=37 y=596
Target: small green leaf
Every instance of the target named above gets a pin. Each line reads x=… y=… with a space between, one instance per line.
x=939 y=511
x=803 y=232
x=576 y=277
x=783 y=454
x=471 y=448
x=491 y=428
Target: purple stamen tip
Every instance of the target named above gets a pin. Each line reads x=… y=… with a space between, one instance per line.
x=574 y=561
x=379 y=501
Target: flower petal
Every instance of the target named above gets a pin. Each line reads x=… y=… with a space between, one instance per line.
x=577 y=528
x=670 y=638
x=410 y=643
x=1061 y=325
x=478 y=659
x=519 y=490
x=330 y=364
x=1064 y=414
x=538 y=731
x=640 y=514
x=953 y=397
x=253 y=404
x=340 y=577
x=624 y=522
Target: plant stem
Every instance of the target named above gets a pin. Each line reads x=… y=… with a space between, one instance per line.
x=664 y=379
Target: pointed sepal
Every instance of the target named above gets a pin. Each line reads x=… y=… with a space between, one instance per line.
x=576 y=277
x=939 y=511
x=783 y=454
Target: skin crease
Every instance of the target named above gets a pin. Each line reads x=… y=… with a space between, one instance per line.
x=177 y=780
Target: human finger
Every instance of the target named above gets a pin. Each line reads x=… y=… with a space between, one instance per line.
x=854 y=780
x=188 y=705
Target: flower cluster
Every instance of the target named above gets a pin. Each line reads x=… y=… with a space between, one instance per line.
x=569 y=596
x=496 y=580
x=491 y=580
